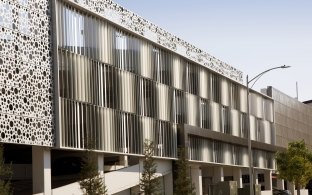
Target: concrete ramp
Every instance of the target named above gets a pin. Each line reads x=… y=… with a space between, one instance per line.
x=126 y=178
x=120 y=180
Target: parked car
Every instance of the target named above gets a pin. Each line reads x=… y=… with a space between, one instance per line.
x=281 y=192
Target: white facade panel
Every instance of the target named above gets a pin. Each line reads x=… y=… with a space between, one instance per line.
x=163 y=97
x=145 y=65
x=243 y=99
x=235 y=122
x=256 y=105
x=192 y=109
x=225 y=95
x=177 y=73
x=215 y=116
x=204 y=83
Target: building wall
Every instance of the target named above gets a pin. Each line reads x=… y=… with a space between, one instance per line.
x=119 y=15
x=26 y=113
x=118 y=88
x=292 y=119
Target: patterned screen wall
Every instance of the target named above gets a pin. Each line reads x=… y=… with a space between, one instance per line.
x=116 y=89
x=212 y=151
x=25 y=72
x=140 y=26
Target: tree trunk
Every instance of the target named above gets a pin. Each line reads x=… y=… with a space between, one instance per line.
x=298 y=189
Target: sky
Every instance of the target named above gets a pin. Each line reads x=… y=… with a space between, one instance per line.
x=250 y=35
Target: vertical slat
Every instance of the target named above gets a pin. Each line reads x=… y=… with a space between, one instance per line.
x=79 y=122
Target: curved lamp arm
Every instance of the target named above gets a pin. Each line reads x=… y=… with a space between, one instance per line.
x=262 y=73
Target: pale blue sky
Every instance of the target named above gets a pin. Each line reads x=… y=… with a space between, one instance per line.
x=247 y=34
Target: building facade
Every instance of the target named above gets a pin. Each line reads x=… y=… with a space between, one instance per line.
x=292 y=118
x=75 y=73
x=292 y=123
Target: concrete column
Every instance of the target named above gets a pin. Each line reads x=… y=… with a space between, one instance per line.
x=196 y=174
x=280 y=184
x=255 y=177
x=123 y=160
x=41 y=170
x=268 y=180
x=291 y=187
x=168 y=184
x=218 y=174
x=101 y=163
x=237 y=176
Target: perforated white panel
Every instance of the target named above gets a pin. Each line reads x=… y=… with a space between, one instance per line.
x=26 y=113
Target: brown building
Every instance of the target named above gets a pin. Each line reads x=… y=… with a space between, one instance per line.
x=292 y=118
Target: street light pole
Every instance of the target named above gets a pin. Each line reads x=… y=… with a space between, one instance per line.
x=255 y=79
x=249 y=142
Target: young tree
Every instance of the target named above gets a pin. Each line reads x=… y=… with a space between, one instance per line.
x=149 y=182
x=5 y=175
x=295 y=164
x=183 y=182
x=91 y=182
